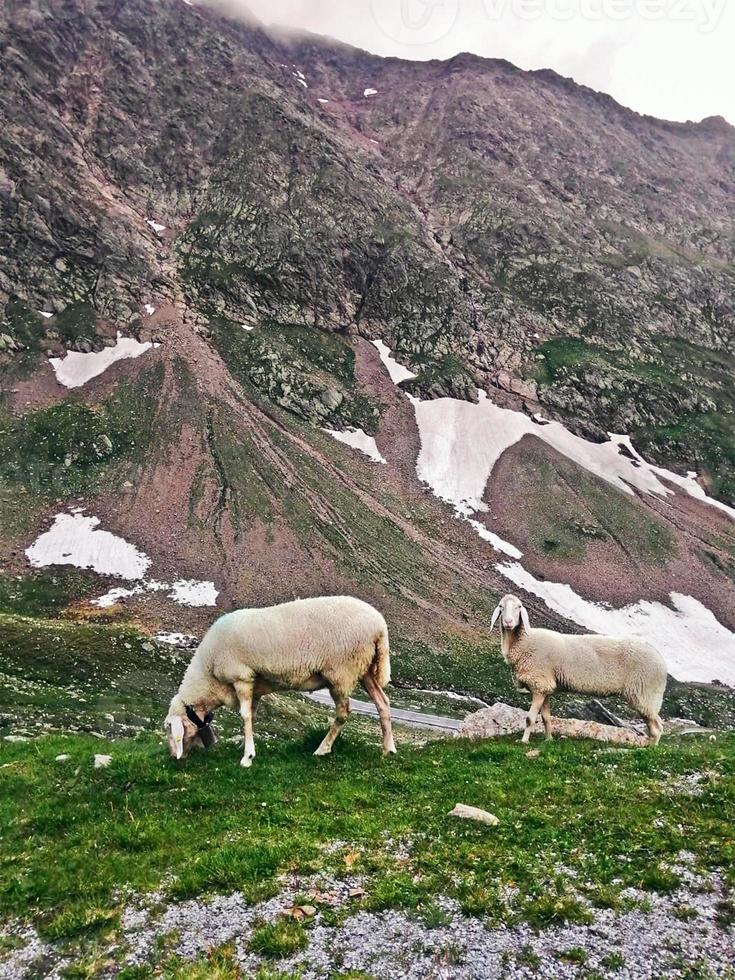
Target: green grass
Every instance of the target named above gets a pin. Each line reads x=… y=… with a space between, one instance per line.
x=568 y=510
x=76 y=839
x=277 y=940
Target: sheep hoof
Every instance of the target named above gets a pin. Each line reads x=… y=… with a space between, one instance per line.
x=322 y=750
x=391 y=750
x=247 y=761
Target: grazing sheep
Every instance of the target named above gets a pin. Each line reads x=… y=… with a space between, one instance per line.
x=307 y=645
x=544 y=661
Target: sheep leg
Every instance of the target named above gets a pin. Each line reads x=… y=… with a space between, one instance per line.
x=342 y=705
x=655 y=728
x=244 y=691
x=381 y=702
x=546 y=715
x=536 y=702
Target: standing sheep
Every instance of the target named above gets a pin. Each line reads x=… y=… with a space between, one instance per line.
x=306 y=645
x=544 y=661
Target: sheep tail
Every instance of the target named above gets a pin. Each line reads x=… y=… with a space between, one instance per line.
x=380 y=667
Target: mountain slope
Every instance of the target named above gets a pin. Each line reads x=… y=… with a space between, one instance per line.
x=235 y=197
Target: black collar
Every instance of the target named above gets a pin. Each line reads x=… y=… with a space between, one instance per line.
x=204 y=727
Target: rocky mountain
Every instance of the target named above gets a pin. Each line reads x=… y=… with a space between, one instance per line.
x=247 y=210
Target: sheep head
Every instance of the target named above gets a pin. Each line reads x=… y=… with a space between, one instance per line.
x=183 y=735
x=512 y=614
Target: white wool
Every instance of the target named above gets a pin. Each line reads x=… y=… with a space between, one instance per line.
x=306 y=645
x=76 y=369
x=694 y=644
x=358 y=439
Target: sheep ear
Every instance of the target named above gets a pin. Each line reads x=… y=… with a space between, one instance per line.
x=524 y=619
x=495 y=618
x=176 y=724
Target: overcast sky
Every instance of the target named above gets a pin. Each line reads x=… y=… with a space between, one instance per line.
x=671 y=58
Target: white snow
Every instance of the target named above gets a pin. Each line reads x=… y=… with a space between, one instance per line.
x=46 y=315
x=323 y=101
x=358 y=439
x=176 y=639
x=149 y=308
x=461 y=442
x=76 y=369
x=300 y=78
x=396 y=371
x=247 y=326
x=75 y=539
x=370 y=91
x=189 y=592
x=155 y=226
x=694 y=644
x=505 y=546
x=114 y=595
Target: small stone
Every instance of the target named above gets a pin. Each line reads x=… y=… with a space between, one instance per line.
x=62 y=758
x=15 y=738
x=465 y=812
x=331 y=398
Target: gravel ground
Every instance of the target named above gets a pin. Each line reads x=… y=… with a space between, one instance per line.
x=655 y=940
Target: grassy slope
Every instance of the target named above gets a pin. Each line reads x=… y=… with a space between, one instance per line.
x=75 y=838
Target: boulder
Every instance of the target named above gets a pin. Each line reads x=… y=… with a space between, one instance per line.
x=503 y=719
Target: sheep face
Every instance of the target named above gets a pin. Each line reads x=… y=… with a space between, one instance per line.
x=182 y=736
x=512 y=613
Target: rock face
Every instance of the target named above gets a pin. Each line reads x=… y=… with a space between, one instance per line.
x=502 y=719
x=494 y=225
x=233 y=196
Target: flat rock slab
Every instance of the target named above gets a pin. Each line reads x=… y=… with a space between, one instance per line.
x=503 y=719
x=465 y=812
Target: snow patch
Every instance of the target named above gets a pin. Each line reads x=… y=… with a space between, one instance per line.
x=323 y=101
x=461 y=442
x=176 y=639
x=497 y=542
x=115 y=595
x=155 y=225
x=149 y=308
x=190 y=592
x=396 y=371
x=358 y=439
x=44 y=314
x=75 y=539
x=76 y=369
x=695 y=645
x=370 y=91
x=247 y=326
